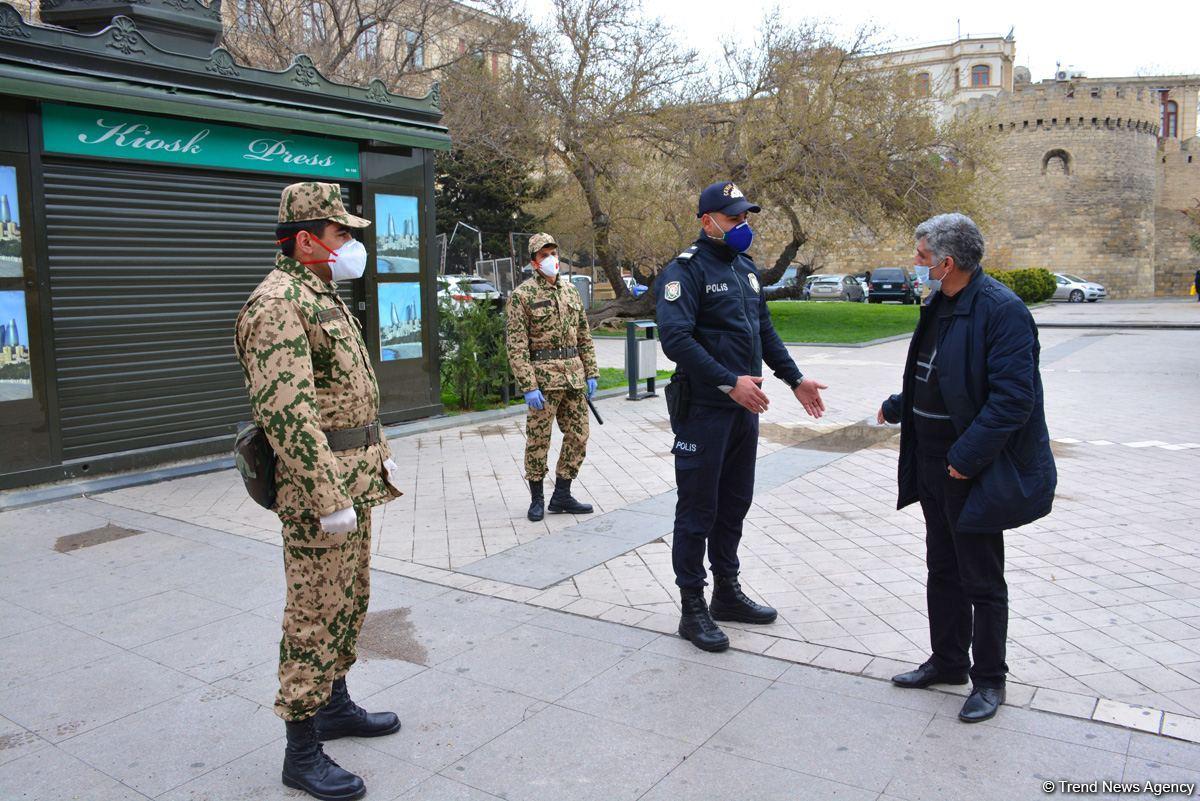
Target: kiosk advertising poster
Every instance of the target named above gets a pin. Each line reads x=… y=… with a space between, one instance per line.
x=400 y=321
x=398 y=235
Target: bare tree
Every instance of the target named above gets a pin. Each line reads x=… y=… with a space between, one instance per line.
x=829 y=139
x=584 y=94
x=405 y=43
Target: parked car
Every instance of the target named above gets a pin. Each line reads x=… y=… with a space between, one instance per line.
x=463 y=289
x=837 y=287
x=784 y=286
x=892 y=283
x=806 y=292
x=1076 y=290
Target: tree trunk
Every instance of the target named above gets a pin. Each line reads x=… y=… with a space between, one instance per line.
x=585 y=173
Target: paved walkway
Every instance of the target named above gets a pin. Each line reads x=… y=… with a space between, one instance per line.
x=1160 y=311
x=1105 y=604
x=137 y=660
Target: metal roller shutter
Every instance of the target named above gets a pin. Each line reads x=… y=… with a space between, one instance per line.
x=148 y=270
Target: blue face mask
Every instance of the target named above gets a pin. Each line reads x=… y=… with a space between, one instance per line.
x=739 y=237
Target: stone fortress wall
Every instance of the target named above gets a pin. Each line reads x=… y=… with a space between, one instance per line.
x=1077 y=173
x=1081 y=184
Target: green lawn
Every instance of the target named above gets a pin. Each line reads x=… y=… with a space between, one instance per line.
x=610 y=377
x=829 y=321
x=832 y=321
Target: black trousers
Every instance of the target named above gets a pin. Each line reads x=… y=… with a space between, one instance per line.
x=966 y=593
x=715 y=451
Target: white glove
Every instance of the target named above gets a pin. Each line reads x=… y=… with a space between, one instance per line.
x=393 y=474
x=343 y=521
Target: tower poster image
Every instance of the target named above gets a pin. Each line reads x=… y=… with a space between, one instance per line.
x=400 y=321
x=16 y=378
x=398 y=234
x=10 y=225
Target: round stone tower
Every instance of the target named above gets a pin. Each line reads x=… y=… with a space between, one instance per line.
x=1077 y=174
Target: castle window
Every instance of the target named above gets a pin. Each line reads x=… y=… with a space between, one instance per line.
x=921 y=84
x=1056 y=162
x=981 y=75
x=1170 y=119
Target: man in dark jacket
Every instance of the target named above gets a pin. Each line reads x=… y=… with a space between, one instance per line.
x=974 y=451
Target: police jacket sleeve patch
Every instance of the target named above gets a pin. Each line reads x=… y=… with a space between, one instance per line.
x=672 y=291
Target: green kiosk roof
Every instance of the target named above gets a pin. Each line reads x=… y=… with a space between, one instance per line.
x=119 y=67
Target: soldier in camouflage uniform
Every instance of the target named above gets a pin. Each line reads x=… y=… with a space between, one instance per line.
x=313 y=391
x=554 y=363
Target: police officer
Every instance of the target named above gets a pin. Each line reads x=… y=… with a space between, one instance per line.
x=554 y=363
x=714 y=324
x=313 y=392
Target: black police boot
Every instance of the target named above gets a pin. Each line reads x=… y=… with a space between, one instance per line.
x=696 y=625
x=730 y=603
x=341 y=717
x=561 y=501
x=537 y=502
x=307 y=768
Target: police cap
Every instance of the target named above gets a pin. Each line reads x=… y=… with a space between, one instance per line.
x=725 y=197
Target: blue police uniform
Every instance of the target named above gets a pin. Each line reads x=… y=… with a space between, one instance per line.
x=714 y=324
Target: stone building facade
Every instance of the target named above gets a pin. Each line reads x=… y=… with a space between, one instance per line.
x=1089 y=176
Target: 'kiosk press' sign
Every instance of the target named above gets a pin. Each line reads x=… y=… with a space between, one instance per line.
x=106 y=134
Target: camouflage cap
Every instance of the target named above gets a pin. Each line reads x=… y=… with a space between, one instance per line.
x=539 y=241
x=314 y=201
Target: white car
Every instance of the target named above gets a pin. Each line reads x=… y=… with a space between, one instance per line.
x=463 y=289
x=1075 y=290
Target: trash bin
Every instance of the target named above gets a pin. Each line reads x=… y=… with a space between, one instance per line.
x=641 y=357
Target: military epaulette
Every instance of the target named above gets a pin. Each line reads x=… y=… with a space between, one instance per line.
x=687 y=254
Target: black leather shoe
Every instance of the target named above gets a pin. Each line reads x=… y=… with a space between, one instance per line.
x=307 y=768
x=926 y=675
x=982 y=704
x=730 y=603
x=341 y=717
x=562 y=502
x=537 y=507
x=697 y=626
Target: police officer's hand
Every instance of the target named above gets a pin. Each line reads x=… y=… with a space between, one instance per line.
x=535 y=399
x=748 y=393
x=809 y=395
x=591 y=384
x=879 y=418
x=343 y=521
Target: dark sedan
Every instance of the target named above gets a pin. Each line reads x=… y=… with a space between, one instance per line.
x=892 y=283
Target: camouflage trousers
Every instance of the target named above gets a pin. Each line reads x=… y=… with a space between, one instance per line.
x=327 y=593
x=569 y=407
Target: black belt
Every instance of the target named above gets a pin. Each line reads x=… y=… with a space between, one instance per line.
x=349 y=439
x=555 y=353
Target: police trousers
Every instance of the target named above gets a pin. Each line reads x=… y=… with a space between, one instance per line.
x=966 y=594
x=715 y=450
x=328 y=589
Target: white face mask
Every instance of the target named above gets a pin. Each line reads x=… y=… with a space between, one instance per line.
x=348 y=262
x=549 y=266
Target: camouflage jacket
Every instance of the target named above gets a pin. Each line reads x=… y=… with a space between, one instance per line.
x=307 y=370
x=545 y=317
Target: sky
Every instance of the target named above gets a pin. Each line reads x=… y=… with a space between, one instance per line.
x=1100 y=39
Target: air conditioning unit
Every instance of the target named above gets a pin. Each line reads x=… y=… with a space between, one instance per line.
x=1061 y=75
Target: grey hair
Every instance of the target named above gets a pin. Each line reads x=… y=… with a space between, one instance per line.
x=953 y=235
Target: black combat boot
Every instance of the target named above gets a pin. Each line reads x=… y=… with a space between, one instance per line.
x=696 y=625
x=730 y=603
x=341 y=717
x=561 y=500
x=537 y=502
x=307 y=768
